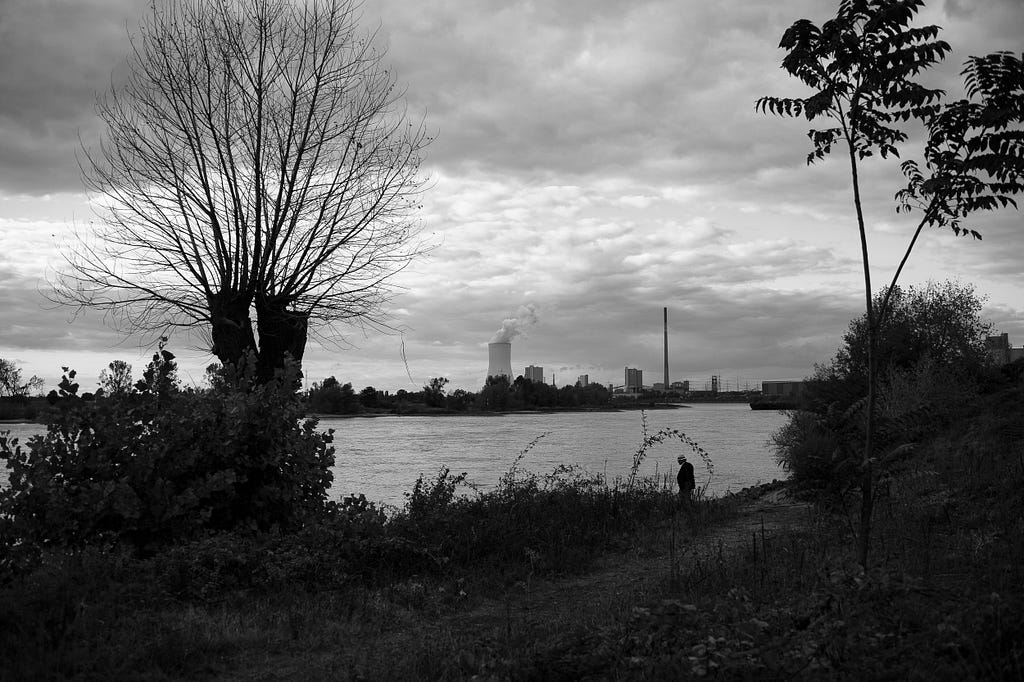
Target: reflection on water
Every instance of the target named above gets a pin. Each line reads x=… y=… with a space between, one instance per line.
x=382 y=457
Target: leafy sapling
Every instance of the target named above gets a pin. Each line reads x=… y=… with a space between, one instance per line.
x=862 y=68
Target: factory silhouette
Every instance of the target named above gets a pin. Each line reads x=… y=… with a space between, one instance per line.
x=499 y=364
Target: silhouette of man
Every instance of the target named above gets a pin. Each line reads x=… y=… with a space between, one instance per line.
x=685 y=480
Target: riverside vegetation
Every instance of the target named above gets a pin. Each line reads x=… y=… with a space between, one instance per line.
x=184 y=534
x=159 y=533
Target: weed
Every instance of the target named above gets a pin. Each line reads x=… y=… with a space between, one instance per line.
x=649 y=440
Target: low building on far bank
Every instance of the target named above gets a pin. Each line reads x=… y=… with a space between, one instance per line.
x=1000 y=350
x=778 y=395
x=786 y=389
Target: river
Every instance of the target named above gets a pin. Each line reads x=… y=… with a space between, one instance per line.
x=381 y=457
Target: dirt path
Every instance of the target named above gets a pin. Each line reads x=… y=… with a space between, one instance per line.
x=618 y=583
x=533 y=618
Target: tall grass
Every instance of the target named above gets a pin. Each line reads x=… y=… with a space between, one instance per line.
x=103 y=612
x=530 y=523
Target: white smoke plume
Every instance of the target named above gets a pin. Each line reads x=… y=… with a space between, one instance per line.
x=512 y=327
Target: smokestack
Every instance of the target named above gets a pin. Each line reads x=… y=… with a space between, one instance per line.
x=666 y=350
x=499 y=360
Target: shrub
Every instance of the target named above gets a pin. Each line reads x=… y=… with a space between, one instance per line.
x=820 y=447
x=160 y=464
x=931 y=359
x=928 y=391
x=805 y=447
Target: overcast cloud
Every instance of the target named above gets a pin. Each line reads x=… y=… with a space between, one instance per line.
x=594 y=158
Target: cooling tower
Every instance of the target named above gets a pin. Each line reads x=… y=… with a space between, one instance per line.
x=499 y=360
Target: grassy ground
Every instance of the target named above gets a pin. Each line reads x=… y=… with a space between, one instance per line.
x=573 y=581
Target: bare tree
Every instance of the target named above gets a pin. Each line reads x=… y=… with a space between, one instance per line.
x=257 y=161
x=13 y=385
x=117 y=378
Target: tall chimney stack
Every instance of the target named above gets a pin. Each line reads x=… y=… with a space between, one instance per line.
x=666 y=350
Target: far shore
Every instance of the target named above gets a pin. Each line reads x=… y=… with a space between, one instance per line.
x=475 y=413
x=501 y=413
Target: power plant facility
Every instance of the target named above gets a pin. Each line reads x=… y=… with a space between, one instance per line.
x=499 y=362
x=499 y=352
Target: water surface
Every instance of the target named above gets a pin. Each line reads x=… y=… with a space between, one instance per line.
x=381 y=457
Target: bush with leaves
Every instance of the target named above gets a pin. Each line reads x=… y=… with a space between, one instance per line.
x=805 y=447
x=931 y=356
x=939 y=320
x=161 y=464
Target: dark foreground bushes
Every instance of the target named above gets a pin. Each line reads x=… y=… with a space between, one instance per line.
x=101 y=612
x=159 y=465
x=136 y=512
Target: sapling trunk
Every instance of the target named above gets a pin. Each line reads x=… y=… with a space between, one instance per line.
x=864 y=537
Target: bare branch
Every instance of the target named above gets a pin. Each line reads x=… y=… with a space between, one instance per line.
x=257 y=157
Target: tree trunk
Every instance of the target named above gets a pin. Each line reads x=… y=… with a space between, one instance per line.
x=867 y=478
x=283 y=333
x=231 y=326
x=867 y=499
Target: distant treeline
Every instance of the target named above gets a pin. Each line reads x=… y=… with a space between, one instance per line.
x=497 y=395
x=21 y=408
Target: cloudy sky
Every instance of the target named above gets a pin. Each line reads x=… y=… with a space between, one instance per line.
x=595 y=161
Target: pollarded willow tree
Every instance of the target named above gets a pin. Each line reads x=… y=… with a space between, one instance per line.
x=257 y=161
x=861 y=67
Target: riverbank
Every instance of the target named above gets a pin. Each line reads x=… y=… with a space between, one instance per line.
x=215 y=610
x=760 y=586
x=571 y=580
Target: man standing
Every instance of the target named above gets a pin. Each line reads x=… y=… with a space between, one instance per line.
x=685 y=480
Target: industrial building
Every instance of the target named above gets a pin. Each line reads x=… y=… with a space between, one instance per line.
x=500 y=364
x=782 y=388
x=1000 y=351
x=634 y=379
x=499 y=357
